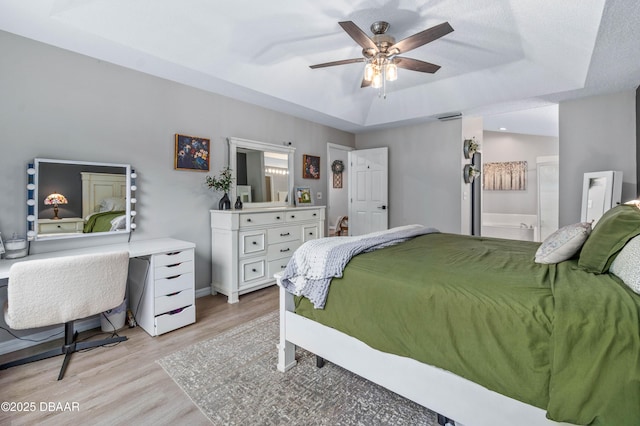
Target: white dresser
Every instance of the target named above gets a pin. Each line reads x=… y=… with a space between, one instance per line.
x=249 y=246
x=162 y=290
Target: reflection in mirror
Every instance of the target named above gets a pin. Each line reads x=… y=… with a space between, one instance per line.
x=263 y=172
x=74 y=199
x=600 y=192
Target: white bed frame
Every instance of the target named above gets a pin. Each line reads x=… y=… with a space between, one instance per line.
x=98 y=186
x=454 y=397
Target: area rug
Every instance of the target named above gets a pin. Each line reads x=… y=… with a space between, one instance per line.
x=233 y=379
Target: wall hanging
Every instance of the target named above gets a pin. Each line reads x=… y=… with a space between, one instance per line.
x=310 y=167
x=470 y=172
x=337 y=167
x=506 y=176
x=470 y=147
x=192 y=153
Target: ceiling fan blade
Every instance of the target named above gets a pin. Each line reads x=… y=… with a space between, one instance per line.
x=365 y=83
x=422 y=38
x=358 y=35
x=416 y=65
x=334 y=63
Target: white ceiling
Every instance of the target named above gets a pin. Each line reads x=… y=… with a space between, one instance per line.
x=503 y=56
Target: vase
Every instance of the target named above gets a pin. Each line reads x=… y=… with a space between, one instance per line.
x=238 y=205
x=225 y=203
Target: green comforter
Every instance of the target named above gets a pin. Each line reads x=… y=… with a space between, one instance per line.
x=552 y=336
x=101 y=222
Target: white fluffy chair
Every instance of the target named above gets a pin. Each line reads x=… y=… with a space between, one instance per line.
x=61 y=290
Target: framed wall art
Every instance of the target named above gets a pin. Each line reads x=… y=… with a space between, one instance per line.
x=505 y=176
x=310 y=167
x=192 y=153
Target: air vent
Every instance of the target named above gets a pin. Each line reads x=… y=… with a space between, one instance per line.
x=450 y=116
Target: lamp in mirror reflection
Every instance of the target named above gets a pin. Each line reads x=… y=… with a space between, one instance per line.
x=53 y=200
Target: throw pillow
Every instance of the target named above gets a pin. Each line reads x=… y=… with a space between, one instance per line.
x=563 y=244
x=617 y=226
x=626 y=265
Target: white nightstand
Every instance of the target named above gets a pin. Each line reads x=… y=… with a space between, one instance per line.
x=58 y=226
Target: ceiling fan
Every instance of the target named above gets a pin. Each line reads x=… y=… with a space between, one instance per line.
x=380 y=52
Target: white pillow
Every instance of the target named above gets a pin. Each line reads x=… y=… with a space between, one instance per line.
x=111 y=204
x=626 y=265
x=564 y=243
x=118 y=223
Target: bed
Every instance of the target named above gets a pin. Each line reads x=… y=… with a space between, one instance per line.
x=476 y=330
x=103 y=201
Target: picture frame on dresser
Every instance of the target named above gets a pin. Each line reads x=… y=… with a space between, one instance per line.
x=303 y=196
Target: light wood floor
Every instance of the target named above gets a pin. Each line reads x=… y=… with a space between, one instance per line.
x=123 y=384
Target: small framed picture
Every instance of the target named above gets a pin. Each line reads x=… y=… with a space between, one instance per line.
x=192 y=153
x=310 y=167
x=303 y=196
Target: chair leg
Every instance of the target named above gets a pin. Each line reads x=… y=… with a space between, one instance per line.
x=70 y=346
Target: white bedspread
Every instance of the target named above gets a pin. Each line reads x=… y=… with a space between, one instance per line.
x=316 y=262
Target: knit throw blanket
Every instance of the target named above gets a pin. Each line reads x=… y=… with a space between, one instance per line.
x=316 y=262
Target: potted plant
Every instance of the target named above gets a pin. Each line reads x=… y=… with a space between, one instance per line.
x=221 y=183
x=470 y=172
x=470 y=147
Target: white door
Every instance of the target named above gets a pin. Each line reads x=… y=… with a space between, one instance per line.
x=548 y=196
x=368 y=180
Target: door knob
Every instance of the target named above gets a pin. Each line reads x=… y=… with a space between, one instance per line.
x=382 y=207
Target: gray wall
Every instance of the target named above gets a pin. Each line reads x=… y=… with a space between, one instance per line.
x=499 y=147
x=62 y=105
x=425 y=173
x=596 y=134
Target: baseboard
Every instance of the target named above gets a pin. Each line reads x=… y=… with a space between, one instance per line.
x=202 y=292
x=47 y=335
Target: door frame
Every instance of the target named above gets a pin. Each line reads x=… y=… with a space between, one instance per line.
x=334 y=146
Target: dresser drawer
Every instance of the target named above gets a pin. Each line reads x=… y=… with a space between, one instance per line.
x=173 y=270
x=276 y=266
x=251 y=270
x=279 y=235
x=252 y=242
x=173 y=284
x=309 y=232
x=278 y=251
x=176 y=319
x=302 y=215
x=173 y=301
x=54 y=226
x=258 y=219
x=172 y=258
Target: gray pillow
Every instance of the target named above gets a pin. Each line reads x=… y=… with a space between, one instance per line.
x=563 y=244
x=626 y=265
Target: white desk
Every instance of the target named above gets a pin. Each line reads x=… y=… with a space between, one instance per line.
x=135 y=249
x=164 y=290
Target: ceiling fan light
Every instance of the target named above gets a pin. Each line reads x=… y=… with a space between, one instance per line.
x=391 y=72
x=376 y=82
x=369 y=72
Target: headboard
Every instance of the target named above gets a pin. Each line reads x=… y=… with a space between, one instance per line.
x=98 y=186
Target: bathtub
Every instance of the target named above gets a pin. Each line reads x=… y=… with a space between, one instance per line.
x=509 y=226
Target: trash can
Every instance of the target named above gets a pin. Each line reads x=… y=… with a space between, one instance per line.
x=114 y=319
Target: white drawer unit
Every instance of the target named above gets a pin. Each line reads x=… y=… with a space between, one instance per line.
x=162 y=291
x=249 y=246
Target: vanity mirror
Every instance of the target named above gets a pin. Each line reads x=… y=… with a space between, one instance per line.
x=68 y=199
x=262 y=172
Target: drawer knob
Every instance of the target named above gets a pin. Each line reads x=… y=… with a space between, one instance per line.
x=283 y=266
x=254 y=270
x=284 y=235
x=277 y=217
x=248 y=219
x=255 y=243
x=310 y=233
x=315 y=214
x=284 y=250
